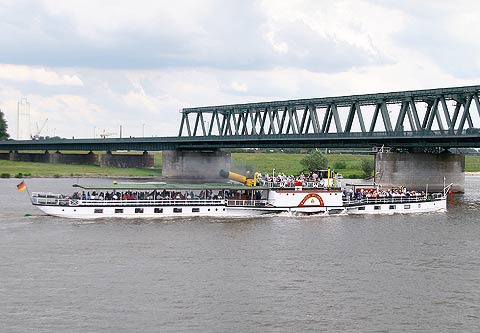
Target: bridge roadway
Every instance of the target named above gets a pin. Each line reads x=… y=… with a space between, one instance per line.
x=208 y=143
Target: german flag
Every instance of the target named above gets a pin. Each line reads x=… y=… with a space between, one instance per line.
x=22 y=186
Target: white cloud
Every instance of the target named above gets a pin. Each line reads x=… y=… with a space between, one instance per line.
x=359 y=23
x=280 y=47
x=240 y=87
x=37 y=74
x=137 y=97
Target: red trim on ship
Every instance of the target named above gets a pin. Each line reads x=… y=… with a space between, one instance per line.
x=312 y=195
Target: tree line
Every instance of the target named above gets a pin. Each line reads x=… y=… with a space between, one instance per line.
x=3 y=127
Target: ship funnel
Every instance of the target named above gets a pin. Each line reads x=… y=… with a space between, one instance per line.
x=237 y=177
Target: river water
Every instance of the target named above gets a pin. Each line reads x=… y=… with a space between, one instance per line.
x=277 y=273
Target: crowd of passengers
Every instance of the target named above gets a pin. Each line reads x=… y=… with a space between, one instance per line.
x=370 y=193
x=166 y=195
x=283 y=180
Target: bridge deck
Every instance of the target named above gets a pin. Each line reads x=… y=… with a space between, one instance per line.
x=335 y=140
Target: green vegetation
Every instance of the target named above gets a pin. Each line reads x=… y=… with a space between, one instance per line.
x=314 y=161
x=472 y=163
x=286 y=163
x=349 y=165
x=367 y=167
x=29 y=169
x=340 y=165
x=3 y=127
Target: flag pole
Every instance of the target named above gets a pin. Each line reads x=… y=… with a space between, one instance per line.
x=23 y=186
x=26 y=187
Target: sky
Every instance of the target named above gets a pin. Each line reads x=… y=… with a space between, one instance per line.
x=92 y=66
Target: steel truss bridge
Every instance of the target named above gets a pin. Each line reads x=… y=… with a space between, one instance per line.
x=446 y=117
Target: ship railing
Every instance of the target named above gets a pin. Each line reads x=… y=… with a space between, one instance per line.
x=246 y=203
x=277 y=184
x=147 y=202
x=402 y=199
x=51 y=199
x=291 y=184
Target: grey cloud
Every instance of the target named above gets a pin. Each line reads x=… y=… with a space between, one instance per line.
x=319 y=54
x=429 y=30
x=460 y=59
x=232 y=37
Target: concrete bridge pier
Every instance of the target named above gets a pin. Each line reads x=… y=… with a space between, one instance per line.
x=195 y=166
x=126 y=160
x=416 y=170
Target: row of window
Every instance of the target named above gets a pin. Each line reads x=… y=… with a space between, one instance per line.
x=390 y=207
x=155 y=210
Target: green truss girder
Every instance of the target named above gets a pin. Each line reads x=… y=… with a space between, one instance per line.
x=297 y=117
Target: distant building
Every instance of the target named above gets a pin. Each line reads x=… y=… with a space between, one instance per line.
x=23 y=120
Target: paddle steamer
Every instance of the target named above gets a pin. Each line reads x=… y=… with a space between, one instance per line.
x=246 y=197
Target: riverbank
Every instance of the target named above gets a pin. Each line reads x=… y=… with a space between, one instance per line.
x=348 y=165
x=10 y=169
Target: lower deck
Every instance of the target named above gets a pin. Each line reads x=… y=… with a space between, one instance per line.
x=393 y=207
x=147 y=211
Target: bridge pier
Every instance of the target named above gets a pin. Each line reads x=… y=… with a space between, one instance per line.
x=126 y=160
x=194 y=166
x=416 y=170
x=47 y=157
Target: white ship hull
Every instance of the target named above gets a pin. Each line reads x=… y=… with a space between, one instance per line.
x=398 y=207
x=95 y=212
x=293 y=200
